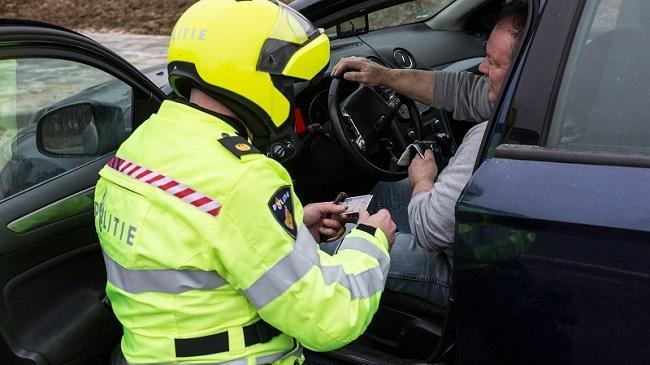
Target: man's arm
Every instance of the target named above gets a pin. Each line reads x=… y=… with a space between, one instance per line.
x=431 y=209
x=462 y=93
x=415 y=84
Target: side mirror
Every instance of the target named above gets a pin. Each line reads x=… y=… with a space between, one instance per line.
x=82 y=129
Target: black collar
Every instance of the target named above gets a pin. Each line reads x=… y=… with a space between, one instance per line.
x=233 y=122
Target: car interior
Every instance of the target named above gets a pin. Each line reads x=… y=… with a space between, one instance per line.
x=336 y=112
x=327 y=165
x=348 y=136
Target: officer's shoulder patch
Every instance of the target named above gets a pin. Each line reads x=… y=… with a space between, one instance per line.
x=281 y=205
x=238 y=146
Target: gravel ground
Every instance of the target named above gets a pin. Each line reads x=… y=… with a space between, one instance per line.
x=140 y=50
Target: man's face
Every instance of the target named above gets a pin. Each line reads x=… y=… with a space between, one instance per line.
x=497 y=61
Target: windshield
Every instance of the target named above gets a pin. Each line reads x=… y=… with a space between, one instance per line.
x=406 y=13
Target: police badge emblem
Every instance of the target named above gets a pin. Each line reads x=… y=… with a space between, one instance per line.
x=281 y=205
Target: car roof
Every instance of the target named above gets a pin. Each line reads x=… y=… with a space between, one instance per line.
x=4 y=22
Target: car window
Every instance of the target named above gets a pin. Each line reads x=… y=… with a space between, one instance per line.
x=405 y=13
x=602 y=103
x=35 y=89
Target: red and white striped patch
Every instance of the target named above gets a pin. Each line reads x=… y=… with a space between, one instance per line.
x=166 y=184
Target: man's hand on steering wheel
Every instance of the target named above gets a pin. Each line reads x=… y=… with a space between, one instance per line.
x=360 y=69
x=369 y=123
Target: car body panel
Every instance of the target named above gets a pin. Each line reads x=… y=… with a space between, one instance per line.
x=551 y=246
x=552 y=258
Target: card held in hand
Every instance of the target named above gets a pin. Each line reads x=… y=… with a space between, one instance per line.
x=355 y=204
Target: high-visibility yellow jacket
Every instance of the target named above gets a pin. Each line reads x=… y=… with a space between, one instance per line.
x=202 y=236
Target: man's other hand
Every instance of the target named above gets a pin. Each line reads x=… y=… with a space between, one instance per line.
x=381 y=220
x=361 y=69
x=324 y=219
x=423 y=172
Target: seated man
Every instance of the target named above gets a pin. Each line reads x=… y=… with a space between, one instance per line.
x=423 y=205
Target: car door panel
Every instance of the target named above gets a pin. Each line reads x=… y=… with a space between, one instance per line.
x=52 y=305
x=59 y=304
x=552 y=240
x=53 y=278
x=556 y=254
x=60 y=189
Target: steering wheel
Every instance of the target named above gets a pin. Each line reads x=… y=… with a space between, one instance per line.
x=371 y=127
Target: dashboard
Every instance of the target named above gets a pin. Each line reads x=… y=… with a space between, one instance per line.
x=411 y=46
x=408 y=46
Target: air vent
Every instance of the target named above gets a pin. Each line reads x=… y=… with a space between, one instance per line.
x=403 y=58
x=345 y=45
x=378 y=60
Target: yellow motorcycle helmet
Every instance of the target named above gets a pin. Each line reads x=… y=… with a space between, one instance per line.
x=247 y=54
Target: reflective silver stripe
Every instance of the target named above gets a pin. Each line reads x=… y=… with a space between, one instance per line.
x=360 y=244
x=300 y=260
x=232 y=362
x=266 y=359
x=164 y=281
x=270 y=358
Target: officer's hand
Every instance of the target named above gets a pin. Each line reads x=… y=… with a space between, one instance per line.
x=381 y=220
x=363 y=70
x=324 y=219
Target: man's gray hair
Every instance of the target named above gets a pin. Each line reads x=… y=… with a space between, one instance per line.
x=513 y=17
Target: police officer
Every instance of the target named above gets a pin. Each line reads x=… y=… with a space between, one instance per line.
x=210 y=256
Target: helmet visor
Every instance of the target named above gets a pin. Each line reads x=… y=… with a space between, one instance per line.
x=290 y=32
x=292 y=26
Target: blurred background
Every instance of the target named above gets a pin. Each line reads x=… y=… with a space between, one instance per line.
x=137 y=30
x=154 y=17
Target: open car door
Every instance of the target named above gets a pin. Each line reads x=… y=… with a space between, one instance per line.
x=66 y=105
x=552 y=231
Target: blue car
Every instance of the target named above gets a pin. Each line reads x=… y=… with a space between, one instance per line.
x=552 y=243
x=552 y=255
